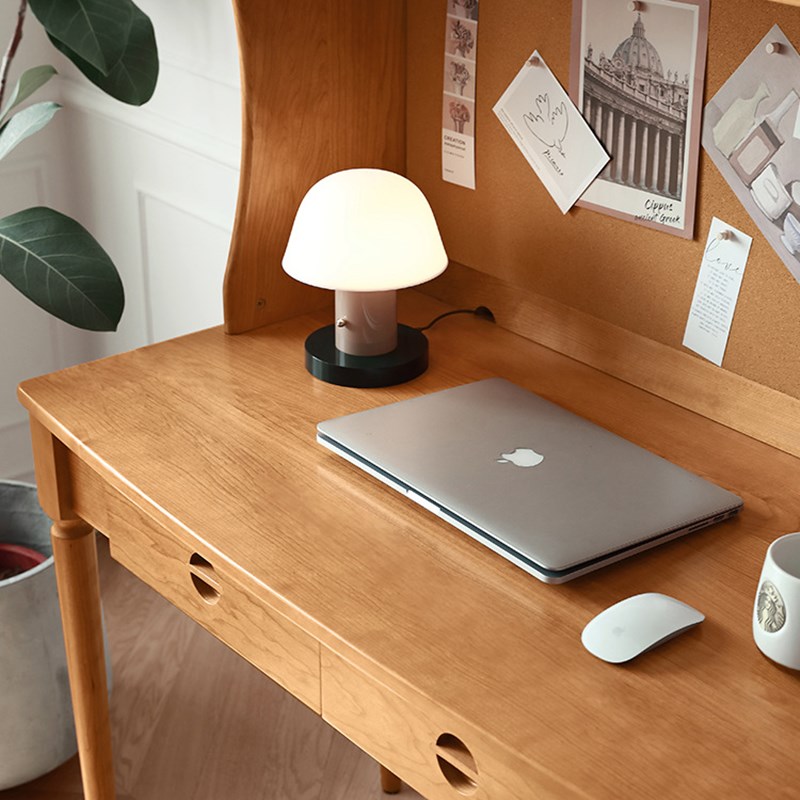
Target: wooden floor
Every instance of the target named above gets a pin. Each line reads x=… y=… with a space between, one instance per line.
x=193 y=721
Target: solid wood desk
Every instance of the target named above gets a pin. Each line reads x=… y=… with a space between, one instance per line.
x=453 y=668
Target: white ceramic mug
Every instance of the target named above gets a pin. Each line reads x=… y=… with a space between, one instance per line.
x=776 y=616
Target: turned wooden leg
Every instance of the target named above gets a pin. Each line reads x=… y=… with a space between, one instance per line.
x=75 y=552
x=390 y=783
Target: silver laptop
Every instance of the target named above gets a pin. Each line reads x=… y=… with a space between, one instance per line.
x=550 y=491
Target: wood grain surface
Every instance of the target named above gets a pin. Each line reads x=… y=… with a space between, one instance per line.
x=213 y=436
x=742 y=404
x=193 y=721
x=218 y=600
x=323 y=89
x=75 y=554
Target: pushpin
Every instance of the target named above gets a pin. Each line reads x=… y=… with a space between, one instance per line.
x=723 y=236
x=534 y=61
x=774 y=47
x=635 y=6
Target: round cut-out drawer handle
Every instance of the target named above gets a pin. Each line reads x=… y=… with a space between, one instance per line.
x=204 y=579
x=457 y=764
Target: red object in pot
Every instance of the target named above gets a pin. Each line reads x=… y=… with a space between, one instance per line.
x=16 y=559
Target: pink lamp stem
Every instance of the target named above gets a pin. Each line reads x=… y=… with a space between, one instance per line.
x=366 y=322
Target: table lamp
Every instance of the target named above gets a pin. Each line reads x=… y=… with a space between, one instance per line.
x=365 y=233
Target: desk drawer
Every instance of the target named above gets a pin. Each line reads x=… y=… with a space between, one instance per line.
x=440 y=757
x=209 y=593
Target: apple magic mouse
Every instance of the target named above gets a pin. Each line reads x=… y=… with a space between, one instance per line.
x=637 y=624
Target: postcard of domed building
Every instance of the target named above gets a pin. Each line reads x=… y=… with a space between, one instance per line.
x=637 y=73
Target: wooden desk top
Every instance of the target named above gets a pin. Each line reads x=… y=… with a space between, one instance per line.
x=213 y=436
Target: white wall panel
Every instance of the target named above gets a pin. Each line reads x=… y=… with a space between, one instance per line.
x=26 y=331
x=16 y=458
x=188 y=294
x=158 y=184
x=196 y=104
x=155 y=185
x=198 y=36
x=32 y=341
x=26 y=334
x=123 y=164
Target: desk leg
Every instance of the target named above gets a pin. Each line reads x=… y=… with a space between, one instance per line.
x=390 y=783
x=75 y=552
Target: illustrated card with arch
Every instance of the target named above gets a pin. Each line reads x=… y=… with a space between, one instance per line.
x=550 y=132
x=637 y=73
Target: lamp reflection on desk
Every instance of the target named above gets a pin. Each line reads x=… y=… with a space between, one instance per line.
x=365 y=233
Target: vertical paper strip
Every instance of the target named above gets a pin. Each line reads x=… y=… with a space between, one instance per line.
x=717 y=291
x=458 y=100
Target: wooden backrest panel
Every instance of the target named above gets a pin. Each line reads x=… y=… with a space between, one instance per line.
x=323 y=89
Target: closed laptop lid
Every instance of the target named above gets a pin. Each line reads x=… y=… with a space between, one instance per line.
x=547 y=484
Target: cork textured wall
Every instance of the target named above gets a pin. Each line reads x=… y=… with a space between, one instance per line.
x=637 y=278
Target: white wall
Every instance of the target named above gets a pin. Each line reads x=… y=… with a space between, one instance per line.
x=156 y=186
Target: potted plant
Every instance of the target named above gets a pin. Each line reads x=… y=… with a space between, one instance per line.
x=57 y=264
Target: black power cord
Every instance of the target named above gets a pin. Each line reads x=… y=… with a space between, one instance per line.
x=481 y=311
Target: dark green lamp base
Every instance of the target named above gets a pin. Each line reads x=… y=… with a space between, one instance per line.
x=406 y=361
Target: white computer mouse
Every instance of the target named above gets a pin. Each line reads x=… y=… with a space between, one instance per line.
x=637 y=624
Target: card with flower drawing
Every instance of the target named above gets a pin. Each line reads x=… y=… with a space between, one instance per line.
x=550 y=132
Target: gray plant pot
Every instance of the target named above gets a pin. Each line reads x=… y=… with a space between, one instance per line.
x=36 y=728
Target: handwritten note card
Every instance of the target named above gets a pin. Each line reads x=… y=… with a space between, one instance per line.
x=717 y=291
x=551 y=132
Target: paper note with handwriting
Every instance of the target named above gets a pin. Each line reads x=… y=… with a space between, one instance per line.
x=550 y=132
x=717 y=290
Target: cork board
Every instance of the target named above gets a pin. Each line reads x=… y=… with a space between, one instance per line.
x=633 y=277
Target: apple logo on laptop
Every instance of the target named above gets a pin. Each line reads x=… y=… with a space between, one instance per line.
x=521 y=457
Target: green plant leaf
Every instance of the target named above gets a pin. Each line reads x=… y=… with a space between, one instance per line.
x=55 y=262
x=97 y=30
x=133 y=78
x=24 y=123
x=30 y=80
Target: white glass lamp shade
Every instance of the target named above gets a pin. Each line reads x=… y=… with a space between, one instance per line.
x=364 y=230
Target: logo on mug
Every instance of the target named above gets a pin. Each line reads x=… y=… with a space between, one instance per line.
x=771 y=611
